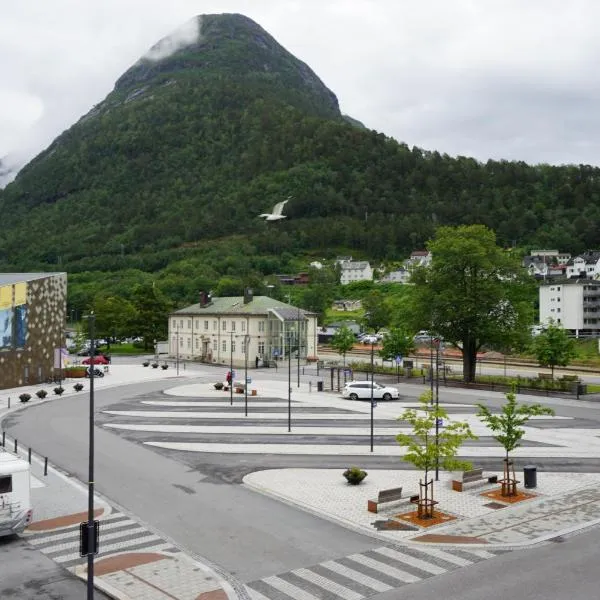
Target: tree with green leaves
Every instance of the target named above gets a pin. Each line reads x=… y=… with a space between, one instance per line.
x=396 y=343
x=377 y=314
x=425 y=450
x=553 y=347
x=114 y=317
x=474 y=293
x=507 y=426
x=152 y=314
x=342 y=341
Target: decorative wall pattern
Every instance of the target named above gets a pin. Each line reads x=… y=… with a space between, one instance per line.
x=38 y=327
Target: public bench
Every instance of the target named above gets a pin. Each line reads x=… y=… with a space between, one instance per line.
x=468 y=477
x=391 y=495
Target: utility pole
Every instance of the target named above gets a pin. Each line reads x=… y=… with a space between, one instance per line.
x=298 y=331
x=372 y=401
x=91 y=529
x=246 y=340
x=289 y=345
x=231 y=367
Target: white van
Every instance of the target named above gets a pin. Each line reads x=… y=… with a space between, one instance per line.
x=15 y=494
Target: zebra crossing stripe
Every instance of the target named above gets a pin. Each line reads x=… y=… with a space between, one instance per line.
x=385 y=568
x=451 y=558
x=353 y=575
x=411 y=560
x=51 y=540
x=327 y=584
x=289 y=588
x=255 y=594
x=478 y=553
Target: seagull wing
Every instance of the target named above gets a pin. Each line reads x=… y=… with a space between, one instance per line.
x=278 y=208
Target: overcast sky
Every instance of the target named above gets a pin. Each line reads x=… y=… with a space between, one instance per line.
x=516 y=79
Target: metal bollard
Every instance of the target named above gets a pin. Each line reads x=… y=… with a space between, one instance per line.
x=46 y=465
x=29 y=455
x=15 y=446
x=4 y=439
x=9 y=402
x=310 y=386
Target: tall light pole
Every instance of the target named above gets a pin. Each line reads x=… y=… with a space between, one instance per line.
x=177 y=353
x=437 y=406
x=289 y=381
x=246 y=340
x=298 y=331
x=372 y=401
x=91 y=530
x=231 y=367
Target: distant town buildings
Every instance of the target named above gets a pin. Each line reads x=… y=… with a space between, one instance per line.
x=351 y=271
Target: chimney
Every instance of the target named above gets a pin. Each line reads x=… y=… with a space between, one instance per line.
x=247 y=295
x=203 y=299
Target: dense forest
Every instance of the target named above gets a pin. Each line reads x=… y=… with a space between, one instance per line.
x=164 y=179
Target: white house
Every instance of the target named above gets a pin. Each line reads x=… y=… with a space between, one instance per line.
x=418 y=258
x=241 y=328
x=401 y=275
x=355 y=271
x=575 y=304
x=584 y=265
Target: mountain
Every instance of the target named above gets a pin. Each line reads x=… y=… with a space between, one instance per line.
x=7 y=172
x=165 y=178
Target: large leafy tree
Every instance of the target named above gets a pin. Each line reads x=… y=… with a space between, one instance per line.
x=474 y=293
x=396 y=343
x=553 y=347
x=152 y=314
x=114 y=317
x=377 y=314
x=343 y=341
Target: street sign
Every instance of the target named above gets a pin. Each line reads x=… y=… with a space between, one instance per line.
x=83 y=538
x=398 y=359
x=374 y=403
x=439 y=422
x=248 y=379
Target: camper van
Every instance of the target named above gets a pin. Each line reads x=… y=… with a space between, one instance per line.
x=15 y=494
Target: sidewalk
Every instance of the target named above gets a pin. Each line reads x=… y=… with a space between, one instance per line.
x=562 y=503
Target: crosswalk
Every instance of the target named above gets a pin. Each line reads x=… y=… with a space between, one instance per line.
x=362 y=575
x=118 y=533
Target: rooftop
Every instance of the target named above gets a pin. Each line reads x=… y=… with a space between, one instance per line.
x=10 y=278
x=259 y=305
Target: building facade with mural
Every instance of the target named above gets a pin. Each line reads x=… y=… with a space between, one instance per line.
x=32 y=326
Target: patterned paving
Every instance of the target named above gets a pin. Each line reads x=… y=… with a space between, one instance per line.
x=363 y=575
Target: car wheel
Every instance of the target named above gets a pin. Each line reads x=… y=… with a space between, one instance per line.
x=387 y=396
x=353 y=397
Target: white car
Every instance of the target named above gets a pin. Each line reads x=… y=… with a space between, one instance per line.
x=355 y=390
x=369 y=339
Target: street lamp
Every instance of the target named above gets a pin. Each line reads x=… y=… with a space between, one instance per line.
x=246 y=340
x=231 y=367
x=437 y=406
x=91 y=530
x=372 y=401
x=298 y=332
x=289 y=338
x=177 y=350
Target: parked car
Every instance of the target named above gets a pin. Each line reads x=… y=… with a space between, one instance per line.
x=361 y=390
x=96 y=360
x=370 y=339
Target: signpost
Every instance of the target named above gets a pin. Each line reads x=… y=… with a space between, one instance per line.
x=398 y=363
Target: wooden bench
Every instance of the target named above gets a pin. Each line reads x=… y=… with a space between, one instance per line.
x=391 y=495
x=467 y=477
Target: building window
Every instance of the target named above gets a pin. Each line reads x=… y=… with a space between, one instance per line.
x=261 y=326
x=261 y=348
x=181 y=324
x=224 y=326
x=233 y=346
x=244 y=346
x=232 y=325
x=180 y=342
x=224 y=345
x=205 y=325
x=215 y=325
x=189 y=343
x=189 y=323
x=197 y=344
x=243 y=325
x=558 y=310
x=174 y=324
x=197 y=324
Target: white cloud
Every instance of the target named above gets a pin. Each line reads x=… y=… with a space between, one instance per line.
x=512 y=80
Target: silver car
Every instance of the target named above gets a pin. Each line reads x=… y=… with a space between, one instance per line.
x=361 y=390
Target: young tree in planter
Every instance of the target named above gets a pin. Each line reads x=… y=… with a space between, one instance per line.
x=553 y=347
x=342 y=341
x=507 y=426
x=396 y=343
x=425 y=450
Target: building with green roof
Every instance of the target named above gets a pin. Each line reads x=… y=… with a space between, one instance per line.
x=239 y=329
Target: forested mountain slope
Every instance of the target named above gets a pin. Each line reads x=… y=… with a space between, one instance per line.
x=190 y=148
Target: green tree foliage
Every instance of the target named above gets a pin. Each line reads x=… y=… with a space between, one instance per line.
x=508 y=425
x=115 y=317
x=343 y=340
x=152 y=311
x=421 y=448
x=377 y=314
x=396 y=343
x=553 y=347
x=473 y=293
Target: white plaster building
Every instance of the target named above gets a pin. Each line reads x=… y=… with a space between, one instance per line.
x=584 y=265
x=575 y=304
x=355 y=271
x=400 y=275
x=217 y=330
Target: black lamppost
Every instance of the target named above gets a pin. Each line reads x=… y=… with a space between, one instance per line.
x=177 y=352
x=231 y=368
x=246 y=340
x=91 y=530
x=289 y=345
x=372 y=400
x=298 y=331
x=437 y=406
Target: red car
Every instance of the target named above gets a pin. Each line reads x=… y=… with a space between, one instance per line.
x=96 y=360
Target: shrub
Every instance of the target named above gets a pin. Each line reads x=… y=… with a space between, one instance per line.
x=218 y=385
x=146 y=363
x=41 y=394
x=25 y=397
x=164 y=367
x=354 y=475
x=78 y=387
x=59 y=390
x=155 y=365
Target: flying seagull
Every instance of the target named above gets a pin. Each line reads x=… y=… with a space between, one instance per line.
x=277 y=210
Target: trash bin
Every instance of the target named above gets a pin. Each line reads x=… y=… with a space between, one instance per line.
x=319 y=386
x=530 y=476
